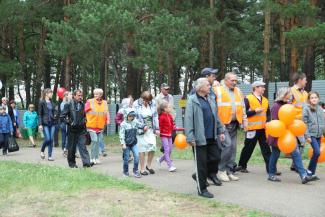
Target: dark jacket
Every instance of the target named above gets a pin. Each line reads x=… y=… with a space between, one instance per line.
x=43 y=113
x=194 y=123
x=73 y=116
x=275 y=116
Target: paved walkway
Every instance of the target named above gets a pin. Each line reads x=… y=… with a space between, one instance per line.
x=287 y=198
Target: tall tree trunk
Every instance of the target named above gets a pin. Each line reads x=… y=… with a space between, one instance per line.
x=267 y=32
x=211 y=35
x=132 y=76
x=309 y=57
x=47 y=71
x=103 y=69
x=22 y=61
x=221 y=46
x=283 y=68
x=204 y=49
x=294 y=56
x=172 y=77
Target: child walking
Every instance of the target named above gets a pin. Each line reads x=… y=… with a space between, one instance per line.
x=314 y=119
x=128 y=137
x=166 y=126
x=6 y=129
x=30 y=121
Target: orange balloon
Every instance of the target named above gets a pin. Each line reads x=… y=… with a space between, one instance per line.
x=180 y=141
x=298 y=128
x=287 y=114
x=323 y=139
x=287 y=143
x=275 y=128
x=321 y=157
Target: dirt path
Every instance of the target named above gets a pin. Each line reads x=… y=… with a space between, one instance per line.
x=287 y=198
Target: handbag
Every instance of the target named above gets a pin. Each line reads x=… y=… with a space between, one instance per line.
x=12 y=144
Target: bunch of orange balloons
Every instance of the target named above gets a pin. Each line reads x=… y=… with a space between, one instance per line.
x=287 y=128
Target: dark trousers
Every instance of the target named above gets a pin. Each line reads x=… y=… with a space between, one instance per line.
x=4 y=137
x=249 y=146
x=77 y=138
x=207 y=159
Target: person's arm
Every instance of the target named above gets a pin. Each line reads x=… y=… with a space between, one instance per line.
x=189 y=122
x=40 y=113
x=10 y=125
x=268 y=114
x=249 y=112
x=122 y=133
x=108 y=118
x=25 y=119
x=305 y=118
x=87 y=106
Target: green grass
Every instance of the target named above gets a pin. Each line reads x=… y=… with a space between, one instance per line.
x=39 y=190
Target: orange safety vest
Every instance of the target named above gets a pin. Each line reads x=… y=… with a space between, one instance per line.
x=224 y=103
x=257 y=121
x=97 y=116
x=300 y=98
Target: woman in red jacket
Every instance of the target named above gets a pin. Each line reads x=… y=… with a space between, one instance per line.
x=166 y=126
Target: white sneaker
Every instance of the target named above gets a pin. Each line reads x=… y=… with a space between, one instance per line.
x=97 y=161
x=222 y=176
x=232 y=177
x=172 y=169
x=93 y=161
x=158 y=161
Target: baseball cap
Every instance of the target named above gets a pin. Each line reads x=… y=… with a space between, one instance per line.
x=208 y=71
x=165 y=86
x=258 y=84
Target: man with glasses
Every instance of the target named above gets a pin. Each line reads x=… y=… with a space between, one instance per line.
x=232 y=113
x=74 y=115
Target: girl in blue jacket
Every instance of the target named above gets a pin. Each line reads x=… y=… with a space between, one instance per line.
x=5 y=129
x=30 y=120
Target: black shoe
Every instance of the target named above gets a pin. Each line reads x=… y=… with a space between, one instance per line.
x=314 y=178
x=162 y=149
x=89 y=165
x=194 y=178
x=73 y=166
x=144 y=173
x=206 y=194
x=278 y=173
x=306 y=179
x=274 y=179
x=238 y=168
x=104 y=154
x=215 y=180
x=151 y=171
x=292 y=168
x=244 y=170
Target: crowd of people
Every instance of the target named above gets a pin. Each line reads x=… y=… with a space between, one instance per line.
x=214 y=113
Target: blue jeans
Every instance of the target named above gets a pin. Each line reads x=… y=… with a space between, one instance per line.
x=296 y=157
x=101 y=146
x=64 y=141
x=315 y=144
x=48 y=132
x=96 y=140
x=126 y=154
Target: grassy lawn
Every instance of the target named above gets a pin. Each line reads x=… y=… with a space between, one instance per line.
x=37 y=190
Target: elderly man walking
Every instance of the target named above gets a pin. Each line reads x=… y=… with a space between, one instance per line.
x=202 y=128
x=258 y=113
x=97 y=116
x=231 y=111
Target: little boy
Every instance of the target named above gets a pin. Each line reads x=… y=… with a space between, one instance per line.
x=128 y=137
x=5 y=129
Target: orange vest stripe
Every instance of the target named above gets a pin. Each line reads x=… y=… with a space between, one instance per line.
x=225 y=104
x=299 y=100
x=97 y=116
x=257 y=121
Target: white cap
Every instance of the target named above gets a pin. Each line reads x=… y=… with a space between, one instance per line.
x=258 y=84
